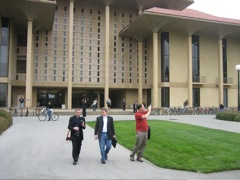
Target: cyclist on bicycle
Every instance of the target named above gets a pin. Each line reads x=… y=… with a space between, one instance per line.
x=49 y=110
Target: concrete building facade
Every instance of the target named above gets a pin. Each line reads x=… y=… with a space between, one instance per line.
x=156 y=52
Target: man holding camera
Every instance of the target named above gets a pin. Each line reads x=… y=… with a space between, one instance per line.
x=76 y=125
x=141 y=132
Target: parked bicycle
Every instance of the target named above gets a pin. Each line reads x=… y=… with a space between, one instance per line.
x=44 y=115
x=15 y=111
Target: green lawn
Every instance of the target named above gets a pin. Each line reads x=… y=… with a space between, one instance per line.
x=184 y=147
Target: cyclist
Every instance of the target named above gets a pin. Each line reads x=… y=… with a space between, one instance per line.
x=49 y=110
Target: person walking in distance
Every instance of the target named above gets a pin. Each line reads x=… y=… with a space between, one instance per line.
x=21 y=101
x=124 y=104
x=104 y=132
x=84 y=106
x=109 y=102
x=94 y=104
x=76 y=125
x=141 y=132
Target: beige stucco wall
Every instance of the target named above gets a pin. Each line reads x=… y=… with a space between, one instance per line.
x=178 y=68
x=131 y=97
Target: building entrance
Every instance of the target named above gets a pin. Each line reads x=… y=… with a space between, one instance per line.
x=56 y=96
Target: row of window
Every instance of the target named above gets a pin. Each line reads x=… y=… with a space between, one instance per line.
x=165 y=56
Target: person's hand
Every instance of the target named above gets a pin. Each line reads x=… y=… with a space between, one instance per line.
x=95 y=137
x=150 y=107
x=83 y=124
x=76 y=128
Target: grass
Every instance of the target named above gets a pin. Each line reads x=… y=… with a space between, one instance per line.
x=184 y=147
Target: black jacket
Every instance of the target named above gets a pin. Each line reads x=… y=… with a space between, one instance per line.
x=76 y=122
x=99 y=127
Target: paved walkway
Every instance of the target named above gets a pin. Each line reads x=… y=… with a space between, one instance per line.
x=31 y=149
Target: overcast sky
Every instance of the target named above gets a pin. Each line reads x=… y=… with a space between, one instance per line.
x=221 y=8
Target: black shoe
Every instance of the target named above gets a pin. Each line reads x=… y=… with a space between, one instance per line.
x=74 y=162
x=103 y=161
x=49 y=119
x=139 y=159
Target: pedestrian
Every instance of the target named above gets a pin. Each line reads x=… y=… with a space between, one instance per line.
x=94 y=104
x=141 y=132
x=84 y=106
x=135 y=106
x=185 y=104
x=21 y=101
x=49 y=110
x=104 y=132
x=109 y=102
x=124 y=104
x=221 y=107
x=76 y=125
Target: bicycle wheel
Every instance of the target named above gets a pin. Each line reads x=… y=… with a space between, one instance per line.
x=42 y=117
x=55 y=116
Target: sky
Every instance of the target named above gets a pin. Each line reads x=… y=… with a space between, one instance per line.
x=221 y=8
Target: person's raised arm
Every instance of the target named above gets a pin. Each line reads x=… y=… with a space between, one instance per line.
x=148 y=113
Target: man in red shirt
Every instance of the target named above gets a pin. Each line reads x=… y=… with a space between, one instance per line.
x=142 y=132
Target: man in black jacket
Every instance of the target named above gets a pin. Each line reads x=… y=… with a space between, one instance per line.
x=104 y=131
x=76 y=125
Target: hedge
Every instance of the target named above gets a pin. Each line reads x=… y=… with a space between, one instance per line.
x=228 y=116
x=5 y=120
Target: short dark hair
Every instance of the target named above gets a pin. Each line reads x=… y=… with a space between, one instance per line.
x=104 y=109
x=77 y=109
x=139 y=106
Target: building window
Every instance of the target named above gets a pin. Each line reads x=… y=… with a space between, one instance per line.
x=165 y=97
x=3 y=95
x=21 y=64
x=165 y=57
x=196 y=97
x=195 y=59
x=224 y=54
x=225 y=97
x=4 y=30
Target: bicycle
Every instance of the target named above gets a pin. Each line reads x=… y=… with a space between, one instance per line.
x=44 y=115
x=15 y=111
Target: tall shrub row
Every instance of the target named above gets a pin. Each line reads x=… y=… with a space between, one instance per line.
x=229 y=116
x=5 y=120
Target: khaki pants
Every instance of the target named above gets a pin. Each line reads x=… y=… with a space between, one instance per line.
x=141 y=142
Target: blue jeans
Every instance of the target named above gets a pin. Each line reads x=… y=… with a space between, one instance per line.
x=105 y=145
x=49 y=112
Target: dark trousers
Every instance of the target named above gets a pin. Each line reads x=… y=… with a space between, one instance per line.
x=76 y=147
x=124 y=106
x=84 y=112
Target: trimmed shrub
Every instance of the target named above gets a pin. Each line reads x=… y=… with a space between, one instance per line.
x=228 y=116
x=5 y=120
x=237 y=118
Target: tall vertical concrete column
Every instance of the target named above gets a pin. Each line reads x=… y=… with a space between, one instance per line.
x=140 y=73
x=28 y=96
x=155 y=70
x=220 y=72
x=70 y=40
x=190 y=91
x=106 y=85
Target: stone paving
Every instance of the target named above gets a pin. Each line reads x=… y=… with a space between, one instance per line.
x=31 y=149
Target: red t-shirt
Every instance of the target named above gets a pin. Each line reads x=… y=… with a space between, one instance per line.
x=141 y=123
